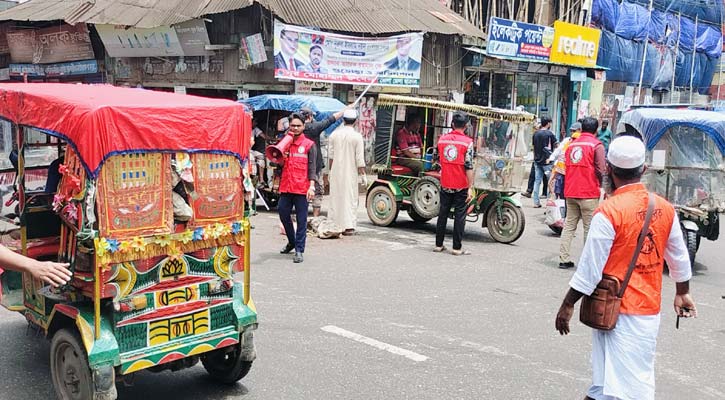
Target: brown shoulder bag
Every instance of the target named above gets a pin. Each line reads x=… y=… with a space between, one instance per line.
x=600 y=310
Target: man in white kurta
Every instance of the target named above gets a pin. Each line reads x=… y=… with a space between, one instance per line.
x=623 y=358
x=347 y=163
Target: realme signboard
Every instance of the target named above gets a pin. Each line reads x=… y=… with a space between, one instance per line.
x=575 y=45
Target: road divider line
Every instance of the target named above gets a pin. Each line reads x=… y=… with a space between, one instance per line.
x=374 y=343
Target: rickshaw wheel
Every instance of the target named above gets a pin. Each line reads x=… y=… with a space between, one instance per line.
x=382 y=207
x=70 y=371
x=225 y=366
x=692 y=240
x=416 y=217
x=426 y=198
x=509 y=227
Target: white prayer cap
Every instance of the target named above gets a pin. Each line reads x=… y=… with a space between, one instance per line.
x=350 y=113
x=626 y=152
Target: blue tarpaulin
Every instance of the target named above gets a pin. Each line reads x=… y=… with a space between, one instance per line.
x=322 y=106
x=633 y=21
x=605 y=13
x=652 y=123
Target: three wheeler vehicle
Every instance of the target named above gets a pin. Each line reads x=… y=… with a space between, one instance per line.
x=500 y=145
x=268 y=109
x=686 y=165
x=149 y=213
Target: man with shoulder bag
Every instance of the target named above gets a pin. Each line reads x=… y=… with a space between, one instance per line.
x=619 y=275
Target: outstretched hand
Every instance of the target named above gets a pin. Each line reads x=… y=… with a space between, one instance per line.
x=52 y=273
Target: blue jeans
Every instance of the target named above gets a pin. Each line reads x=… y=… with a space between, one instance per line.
x=284 y=207
x=541 y=171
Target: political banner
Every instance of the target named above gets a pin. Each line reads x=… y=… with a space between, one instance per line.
x=513 y=39
x=311 y=55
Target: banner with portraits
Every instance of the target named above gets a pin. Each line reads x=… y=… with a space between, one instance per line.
x=312 y=55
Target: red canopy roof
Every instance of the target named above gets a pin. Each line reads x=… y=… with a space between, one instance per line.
x=101 y=120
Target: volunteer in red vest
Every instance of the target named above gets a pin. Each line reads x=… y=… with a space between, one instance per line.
x=297 y=186
x=623 y=358
x=455 y=152
x=585 y=170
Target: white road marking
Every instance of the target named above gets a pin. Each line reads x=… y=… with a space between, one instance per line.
x=374 y=343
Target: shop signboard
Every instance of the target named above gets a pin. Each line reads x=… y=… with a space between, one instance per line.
x=575 y=45
x=50 y=45
x=311 y=55
x=188 y=38
x=313 y=88
x=513 y=39
x=54 y=70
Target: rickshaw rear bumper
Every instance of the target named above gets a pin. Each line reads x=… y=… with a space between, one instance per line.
x=176 y=350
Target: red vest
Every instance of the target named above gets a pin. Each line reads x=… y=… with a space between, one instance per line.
x=452 y=149
x=581 y=173
x=625 y=210
x=294 y=173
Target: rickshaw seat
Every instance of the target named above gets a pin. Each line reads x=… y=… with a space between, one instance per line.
x=37 y=248
x=433 y=174
x=401 y=170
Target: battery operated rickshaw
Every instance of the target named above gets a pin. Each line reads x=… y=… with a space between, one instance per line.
x=149 y=213
x=686 y=165
x=500 y=145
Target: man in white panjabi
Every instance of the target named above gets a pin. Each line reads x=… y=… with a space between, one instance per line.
x=347 y=162
x=623 y=358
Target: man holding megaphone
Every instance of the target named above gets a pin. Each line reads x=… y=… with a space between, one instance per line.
x=298 y=154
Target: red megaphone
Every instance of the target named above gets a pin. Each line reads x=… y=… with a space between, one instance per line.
x=276 y=152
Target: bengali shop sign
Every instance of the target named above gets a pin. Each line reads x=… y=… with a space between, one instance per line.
x=50 y=45
x=311 y=55
x=513 y=39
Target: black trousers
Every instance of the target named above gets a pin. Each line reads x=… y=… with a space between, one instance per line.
x=284 y=207
x=457 y=201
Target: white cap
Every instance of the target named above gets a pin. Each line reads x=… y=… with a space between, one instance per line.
x=626 y=152
x=350 y=113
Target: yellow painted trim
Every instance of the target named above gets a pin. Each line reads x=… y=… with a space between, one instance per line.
x=202 y=348
x=97 y=301
x=251 y=304
x=138 y=365
x=247 y=258
x=86 y=333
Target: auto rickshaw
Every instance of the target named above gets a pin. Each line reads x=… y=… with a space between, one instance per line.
x=500 y=145
x=685 y=165
x=149 y=213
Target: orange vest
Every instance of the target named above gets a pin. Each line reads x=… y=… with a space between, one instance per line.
x=294 y=173
x=626 y=210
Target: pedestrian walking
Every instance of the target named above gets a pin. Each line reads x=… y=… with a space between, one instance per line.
x=313 y=131
x=618 y=242
x=544 y=144
x=585 y=169
x=297 y=186
x=455 y=151
x=558 y=172
x=605 y=135
x=346 y=151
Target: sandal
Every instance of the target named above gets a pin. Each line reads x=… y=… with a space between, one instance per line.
x=460 y=252
x=439 y=249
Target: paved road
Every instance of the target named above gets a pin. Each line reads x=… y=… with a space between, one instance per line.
x=378 y=315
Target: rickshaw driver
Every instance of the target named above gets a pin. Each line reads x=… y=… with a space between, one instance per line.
x=408 y=145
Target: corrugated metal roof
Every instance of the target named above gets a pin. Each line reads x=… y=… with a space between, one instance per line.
x=361 y=16
x=373 y=16
x=138 y=13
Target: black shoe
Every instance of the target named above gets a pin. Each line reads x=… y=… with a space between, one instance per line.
x=526 y=194
x=298 y=258
x=287 y=249
x=566 y=265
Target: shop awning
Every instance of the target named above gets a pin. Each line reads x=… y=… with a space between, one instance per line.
x=483 y=52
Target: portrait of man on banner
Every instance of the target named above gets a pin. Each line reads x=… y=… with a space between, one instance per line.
x=286 y=57
x=317 y=54
x=402 y=60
